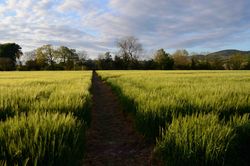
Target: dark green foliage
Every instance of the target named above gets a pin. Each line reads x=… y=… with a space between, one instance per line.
x=6 y=113
x=163 y=60
x=83 y=113
x=105 y=62
x=32 y=65
x=9 y=52
x=151 y=124
x=238 y=152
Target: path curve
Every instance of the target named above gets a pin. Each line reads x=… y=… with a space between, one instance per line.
x=111 y=140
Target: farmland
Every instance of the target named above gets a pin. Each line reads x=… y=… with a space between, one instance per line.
x=43 y=116
x=195 y=117
x=184 y=117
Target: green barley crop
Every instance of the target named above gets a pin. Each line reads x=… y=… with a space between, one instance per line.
x=43 y=116
x=199 y=140
x=198 y=117
x=44 y=91
x=42 y=139
x=156 y=96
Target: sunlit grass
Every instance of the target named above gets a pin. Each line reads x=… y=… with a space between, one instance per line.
x=181 y=101
x=43 y=116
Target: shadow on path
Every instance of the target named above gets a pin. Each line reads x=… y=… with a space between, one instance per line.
x=111 y=140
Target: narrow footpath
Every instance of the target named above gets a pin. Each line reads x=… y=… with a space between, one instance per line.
x=112 y=140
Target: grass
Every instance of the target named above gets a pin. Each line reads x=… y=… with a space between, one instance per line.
x=193 y=117
x=181 y=107
x=43 y=117
x=42 y=139
x=199 y=140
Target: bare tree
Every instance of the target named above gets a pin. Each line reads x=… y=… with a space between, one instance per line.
x=83 y=55
x=130 y=48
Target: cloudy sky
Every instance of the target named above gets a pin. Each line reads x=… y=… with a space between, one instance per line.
x=95 y=25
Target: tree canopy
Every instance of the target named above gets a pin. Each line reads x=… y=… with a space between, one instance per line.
x=9 y=53
x=181 y=59
x=129 y=55
x=129 y=49
x=163 y=60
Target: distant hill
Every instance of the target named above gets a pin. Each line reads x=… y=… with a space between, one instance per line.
x=223 y=54
x=228 y=53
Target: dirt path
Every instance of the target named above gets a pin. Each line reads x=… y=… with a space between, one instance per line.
x=111 y=140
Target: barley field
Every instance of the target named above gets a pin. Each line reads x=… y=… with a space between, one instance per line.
x=191 y=117
x=195 y=117
x=43 y=117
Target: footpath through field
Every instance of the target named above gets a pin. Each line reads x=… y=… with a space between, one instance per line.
x=111 y=140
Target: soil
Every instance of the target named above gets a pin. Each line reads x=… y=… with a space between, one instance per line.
x=111 y=139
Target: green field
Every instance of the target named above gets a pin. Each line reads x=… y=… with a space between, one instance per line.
x=43 y=116
x=197 y=117
x=192 y=117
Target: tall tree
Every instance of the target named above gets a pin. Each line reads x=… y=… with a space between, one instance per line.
x=181 y=60
x=9 y=54
x=163 y=60
x=46 y=56
x=105 y=61
x=83 y=56
x=108 y=60
x=119 y=63
x=67 y=56
x=129 y=49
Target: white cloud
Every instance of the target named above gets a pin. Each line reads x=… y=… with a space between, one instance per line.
x=96 y=25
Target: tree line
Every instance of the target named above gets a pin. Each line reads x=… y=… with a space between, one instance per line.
x=128 y=57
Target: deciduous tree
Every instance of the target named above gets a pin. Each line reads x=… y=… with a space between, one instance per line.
x=236 y=62
x=46 y=56
x=163 y=60
x=130 y=50
x=67 y=57
x=181 y=60
x=9 y=54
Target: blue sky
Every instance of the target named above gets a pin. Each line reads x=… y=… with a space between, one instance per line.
x=95 y=25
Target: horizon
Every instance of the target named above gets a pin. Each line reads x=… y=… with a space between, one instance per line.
x=94 y=26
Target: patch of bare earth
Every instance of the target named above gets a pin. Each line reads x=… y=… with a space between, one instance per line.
x=111 y=139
